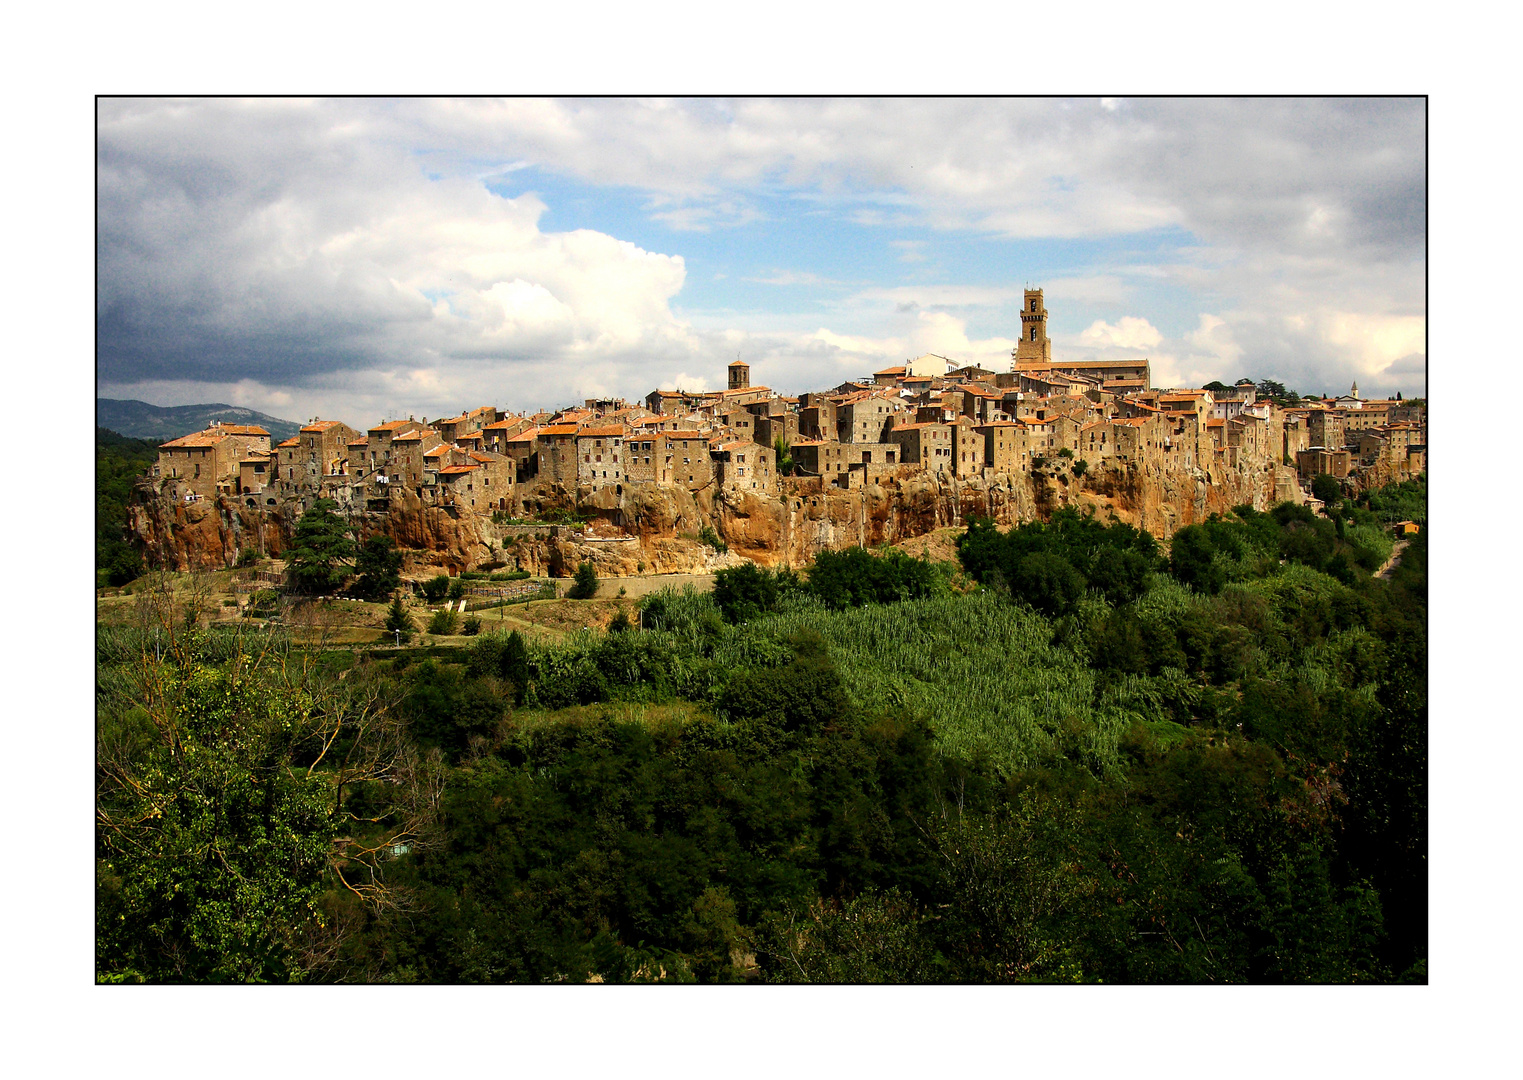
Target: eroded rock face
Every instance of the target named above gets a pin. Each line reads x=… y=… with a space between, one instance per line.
x=654 y=530
x=206 y=535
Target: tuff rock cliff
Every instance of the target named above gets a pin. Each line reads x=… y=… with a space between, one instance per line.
x=654 y=529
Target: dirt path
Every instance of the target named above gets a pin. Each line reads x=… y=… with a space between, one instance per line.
x=1390 y=564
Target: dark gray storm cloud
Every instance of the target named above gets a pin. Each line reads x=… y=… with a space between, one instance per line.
x=351 y=246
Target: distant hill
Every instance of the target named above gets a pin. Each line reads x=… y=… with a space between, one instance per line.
x=140 y=420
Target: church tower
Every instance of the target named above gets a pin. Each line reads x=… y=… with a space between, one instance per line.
x=740 y=375
x=1034 y=346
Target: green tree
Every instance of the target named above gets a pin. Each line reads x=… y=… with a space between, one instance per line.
x=784 y=454
x=119 y=462
x=744 y=592
x=436 y=588
x=379 y=565
x=585 y=584
x=1192 y=560
x=211 y=848
x=322 y=546
x=1047 y=582
x=855 y=577
x=1326 y=488
x=397 y=618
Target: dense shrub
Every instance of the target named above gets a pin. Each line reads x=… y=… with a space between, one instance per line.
x=854 y=577
x=585 y=584
x=707 y=535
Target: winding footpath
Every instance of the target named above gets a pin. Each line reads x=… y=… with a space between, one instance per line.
x=1390 y=564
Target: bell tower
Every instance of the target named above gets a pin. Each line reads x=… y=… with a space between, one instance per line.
x=1034 y=346
x=740 y=375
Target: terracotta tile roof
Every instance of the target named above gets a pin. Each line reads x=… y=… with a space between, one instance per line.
x=487 y=458
x=526 y=435
x=442 y=448
x=616 y=431
x=321 y=425
x=358 y=442
x=557 y=429
x=462 y=418
x=292 y=441
x=504 y=424
x=393 y=425
x=243 y=429
x=409 y=436
x=457 y=470
x=200 y=438
x=891 y=370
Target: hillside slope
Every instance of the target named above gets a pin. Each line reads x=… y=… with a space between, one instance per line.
x=140 y=420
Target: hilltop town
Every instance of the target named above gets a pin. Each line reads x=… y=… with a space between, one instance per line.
x=1100 y=424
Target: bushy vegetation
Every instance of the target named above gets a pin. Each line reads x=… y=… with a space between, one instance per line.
x=379 y=565
x=707 y=535
x=584 y=585
x=1107 y=763
x=119 y=461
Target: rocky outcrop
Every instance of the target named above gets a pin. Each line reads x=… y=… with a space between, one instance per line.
x=654 y=530
x=205 y=535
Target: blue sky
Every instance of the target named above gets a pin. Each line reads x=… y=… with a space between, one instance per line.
x=367 y=257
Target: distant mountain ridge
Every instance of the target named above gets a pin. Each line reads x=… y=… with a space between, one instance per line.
x=140 y=420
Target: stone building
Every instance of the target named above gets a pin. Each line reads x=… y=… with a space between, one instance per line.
x=1034 y=346
x=598 y=455
x=557 y=454
x=1325 y=428
x=928 y=445
x=1007 y=447
x=743 y=464
x=820 y=457
x=688 y=458
x=1318 y=459
x=862 y=418
x=208 y=463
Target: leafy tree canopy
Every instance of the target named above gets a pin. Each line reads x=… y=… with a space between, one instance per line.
x=321 y=549
x=584 y=585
